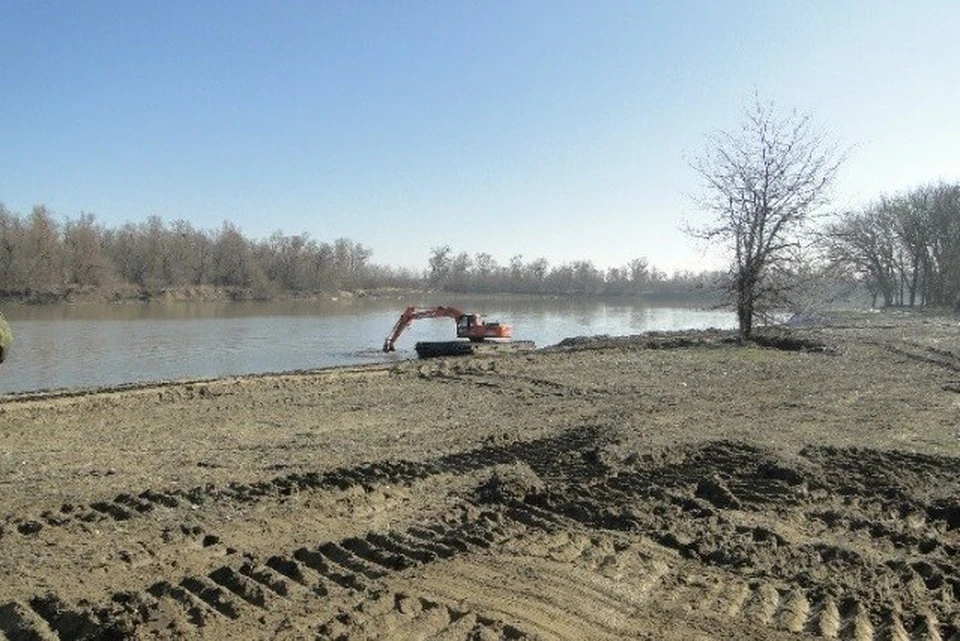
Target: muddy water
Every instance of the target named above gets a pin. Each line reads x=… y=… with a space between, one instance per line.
x=91 y=345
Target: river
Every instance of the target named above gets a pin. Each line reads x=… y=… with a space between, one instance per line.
x=81 y=346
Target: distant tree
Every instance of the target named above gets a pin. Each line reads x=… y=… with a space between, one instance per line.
x=39 y=256
x=440 y=263
x=124 y=249
x=906 y=248
x=587 y=279
x=189 y=254
x=87 y=264
x=944 y=255
x=350 y=262
x=517 y=274
x=13 y=267
x=761 y=185
x=866 y=241
x=639 y=269
x=43 y=253
x=460 y=268
x=154 y=241
x=289 y=261
x=233 y=264
x=538 y=271
x=617 y=280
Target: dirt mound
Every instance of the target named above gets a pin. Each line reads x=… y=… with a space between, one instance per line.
x=769 y=337
x=652 y=340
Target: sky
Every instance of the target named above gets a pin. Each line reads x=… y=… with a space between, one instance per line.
x=554 y=129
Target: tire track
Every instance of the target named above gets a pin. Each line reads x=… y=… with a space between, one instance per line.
x=402 y=616
x=327 y=580
x=542 y=454
x=920 y=353
x=713 y=507
x=779 y=543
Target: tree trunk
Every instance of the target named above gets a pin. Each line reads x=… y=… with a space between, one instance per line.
x=745 y=315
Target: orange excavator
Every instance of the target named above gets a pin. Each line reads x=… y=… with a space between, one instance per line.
x=471 y=326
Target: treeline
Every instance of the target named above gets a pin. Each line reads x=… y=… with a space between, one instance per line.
x=904 y=249
x=44 y=258
x=480 y=273
x=41 y=258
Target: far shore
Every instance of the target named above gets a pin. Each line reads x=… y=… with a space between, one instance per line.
x=211 y=294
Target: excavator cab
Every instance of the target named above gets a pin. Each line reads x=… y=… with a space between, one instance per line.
x=471 y=326
x=466 y=323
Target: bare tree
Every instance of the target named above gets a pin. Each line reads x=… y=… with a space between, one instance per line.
x=13 y=270
x=762 y=184
x=44 y=255
x=87 y=264
x=460 y=268
x=866 y=242
x=905 y=248
x=440 y=263
x=232 y=260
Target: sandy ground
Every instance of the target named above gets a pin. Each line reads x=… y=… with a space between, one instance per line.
x=656 y=488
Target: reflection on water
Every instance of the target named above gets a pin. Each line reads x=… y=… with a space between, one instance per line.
x=90 y=345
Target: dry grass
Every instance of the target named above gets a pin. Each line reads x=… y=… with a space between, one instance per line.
x=6 y=335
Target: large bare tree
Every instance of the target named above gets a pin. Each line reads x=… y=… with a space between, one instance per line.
x=762 y=184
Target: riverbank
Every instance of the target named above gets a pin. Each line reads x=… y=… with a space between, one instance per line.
x=129 y=294
x=614 y=489
x=187 y=294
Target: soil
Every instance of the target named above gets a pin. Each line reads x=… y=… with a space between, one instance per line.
x=653 y=487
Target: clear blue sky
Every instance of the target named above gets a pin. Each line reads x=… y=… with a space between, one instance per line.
x=549 y=129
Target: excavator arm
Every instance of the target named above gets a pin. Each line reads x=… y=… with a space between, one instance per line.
x=411 y=314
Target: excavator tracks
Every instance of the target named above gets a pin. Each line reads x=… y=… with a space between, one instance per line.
x=548 y=538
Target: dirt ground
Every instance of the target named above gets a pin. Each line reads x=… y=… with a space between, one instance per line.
x=657 y=487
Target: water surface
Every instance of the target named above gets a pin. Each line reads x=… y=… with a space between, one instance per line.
x=67 y=346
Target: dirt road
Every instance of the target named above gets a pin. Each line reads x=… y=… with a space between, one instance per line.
x=673 y=487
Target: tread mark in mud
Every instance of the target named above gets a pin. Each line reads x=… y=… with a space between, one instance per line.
x=138 y=504
x=211 y=594
x=569 y=454
x=824 y=617
x=396 y=546
x=19 y=622
x=67 y=623
x=245 y=588
x=321 y=564
x=159 y=498
x=346 y=559
x=114 y=511
x=762 y=604
x=352 y=564
x=533 y=517
x=266 y=577
x=196 y=611
x=297 y=572
x=365 y=550
x=441 y=536
x=440 y=550
x=925 y=354
x=794 y=612
x=399 y=615
x=681 y=503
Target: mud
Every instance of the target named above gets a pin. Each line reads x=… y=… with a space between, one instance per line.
x=654 y=487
